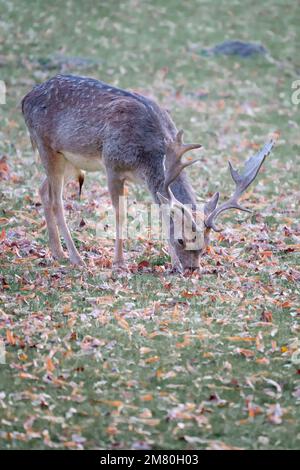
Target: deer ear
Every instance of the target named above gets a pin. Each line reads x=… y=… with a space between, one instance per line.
x=211 y=204
x=163 y=199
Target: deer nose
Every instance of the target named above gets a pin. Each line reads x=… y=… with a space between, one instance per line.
x=191 y=262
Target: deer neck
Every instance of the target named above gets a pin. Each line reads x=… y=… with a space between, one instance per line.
x=183 y=191
x=181 y=187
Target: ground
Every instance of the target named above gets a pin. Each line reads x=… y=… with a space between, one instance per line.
x=147 y=359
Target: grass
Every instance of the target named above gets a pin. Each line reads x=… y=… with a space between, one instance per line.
x=149 y=359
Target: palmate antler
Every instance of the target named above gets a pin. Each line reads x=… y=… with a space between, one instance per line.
x=173 y=164
x=242 y=181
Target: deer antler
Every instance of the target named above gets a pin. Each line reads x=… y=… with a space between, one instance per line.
x=242 y=181
x=172 y=163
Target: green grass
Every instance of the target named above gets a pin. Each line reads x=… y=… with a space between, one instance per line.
x=150 y=359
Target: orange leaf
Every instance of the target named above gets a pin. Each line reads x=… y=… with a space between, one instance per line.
x=2 y=235
x=67 y=308
x=49 y=365
x=245 y=352
x=4 y=168
x=266 y=254
x=147 y=397
x=240 y=338
x=24 y=375
x=23 y=357
x=208 y=354
x=10 y=337
x=115 y=403
x=112 y=430
x=124 y=324
x=286 y=304
x=187 y=295
x=152 y=359
x=267 y=317
x=263 y=360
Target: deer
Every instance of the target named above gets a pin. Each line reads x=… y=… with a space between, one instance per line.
x=81 y=124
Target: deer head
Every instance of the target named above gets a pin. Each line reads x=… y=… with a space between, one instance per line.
x=189 y=228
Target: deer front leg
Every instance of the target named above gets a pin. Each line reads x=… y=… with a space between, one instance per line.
x=116 y=190
x=176 y=265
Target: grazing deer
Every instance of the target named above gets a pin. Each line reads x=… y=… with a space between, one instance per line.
x=80 y=123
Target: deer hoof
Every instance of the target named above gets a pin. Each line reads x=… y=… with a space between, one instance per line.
x=77 y=261
x=58 y=255
x=119 y=265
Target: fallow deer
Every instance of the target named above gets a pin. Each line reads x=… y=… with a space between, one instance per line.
x=80 y=123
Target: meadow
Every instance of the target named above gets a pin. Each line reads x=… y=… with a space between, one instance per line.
x=146 y=359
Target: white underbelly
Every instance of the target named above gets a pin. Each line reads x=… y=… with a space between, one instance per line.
x=78 y=162
x=84 y=162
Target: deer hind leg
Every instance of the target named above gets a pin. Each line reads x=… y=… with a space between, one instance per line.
x=55 y=164
x=54 y=240
x=116 y=190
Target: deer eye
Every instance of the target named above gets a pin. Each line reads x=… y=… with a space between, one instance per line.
x=180 y=241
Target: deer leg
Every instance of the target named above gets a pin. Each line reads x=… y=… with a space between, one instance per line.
x=56 y=190
x=116 y=190
x=176 y=265
x=54 y=241
x=55 y=164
